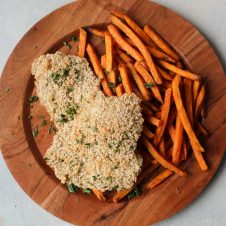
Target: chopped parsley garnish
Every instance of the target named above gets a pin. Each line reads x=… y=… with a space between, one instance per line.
x=51 y=129
x=71 y=111
x=119 y=78
x=80 y=139
x=94 y=178
x=67 y=44
x=30 y=117
x=63 y=118
x=56 y=78
x=111 y=84
x=70 y=89
x=106 y=72
x=72 y=188
x=40 y=116
x=86 y=191
x=74 y=38
x=33 y=99
x=44 y=122
x=149 y=85
x=46 y=158
x=115 y=187
x=60 y=76
x=135 y=192
x=35 y=132
x=88 y=145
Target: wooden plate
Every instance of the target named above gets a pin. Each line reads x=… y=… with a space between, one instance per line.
x=23 y=153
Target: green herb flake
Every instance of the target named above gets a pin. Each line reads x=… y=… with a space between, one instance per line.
x=72 y=188
x=149 y=85
x=52 y=129
x=88 y=145
x=70 y=89
x=119 y=78
x=68 y=45
x=135 y=192
x=63 y=118
x=111 y=85
x=44 y=122
x=40 y=116
x=32 y=99
x=46 y=158
x=115 y=187
x=94 y=178
x=74 y=38
x=71 y=111
x=107 y=72
x=80 y=139
x=35 y=132
x=86 y=191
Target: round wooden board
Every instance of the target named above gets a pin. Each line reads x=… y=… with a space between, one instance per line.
x=23 y=154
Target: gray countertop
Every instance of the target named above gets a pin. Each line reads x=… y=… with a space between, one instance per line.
x=16 y=17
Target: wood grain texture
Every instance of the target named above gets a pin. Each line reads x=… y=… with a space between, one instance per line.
x=23 y=154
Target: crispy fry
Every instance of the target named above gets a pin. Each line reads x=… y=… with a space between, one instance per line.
x=99 y=195
x=164 y=74
x=140 y=82
x=135 y=27
x=97 y=32
x=126 y=58
x=202 y=129
x=109 y=52
x=179 y=71
x=125 y=79
x=196 y=146
x=162 y=147
x=82 y=42
x=149 y=80
x=98 y=69
x=177 y=141
x=161 y=159
x=161 y=43
x=159 y=178
x=163 y=119
x=200 y=102
x=103 y=61
x=143 y=49
x=119 y=90
x=188 y=99
x=196 y=88
x=152 y=120
x=160 y=55
x=119 y=39
x=147 y=133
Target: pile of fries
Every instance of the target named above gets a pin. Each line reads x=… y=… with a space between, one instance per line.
x=138 y=60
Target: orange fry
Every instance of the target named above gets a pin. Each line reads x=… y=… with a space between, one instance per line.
x=125 y=79
x=103 y=61
x=119 y=90
x=109 y=52
x=179 y=71
x=140 y=82
x=160 y=42
x=163 y=119
x=123 y=55
x=188 y=99
x=161 y=159
x=82 y=42
x=97 y=32
x=196 y=88
x=119 y=39
x=162 y=147
x=200 y=101
x=159 y=178
x=164 y=74
x=152 y=120
x=149 y=80
x=99 y=195
x=140 y=45
x=196 y=146
x=202 y=129
x=147 y=133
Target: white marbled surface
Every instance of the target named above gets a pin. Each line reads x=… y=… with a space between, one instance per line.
x=16 y=17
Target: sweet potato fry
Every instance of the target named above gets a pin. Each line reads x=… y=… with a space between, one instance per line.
x=159 y=178
x=99 y=195
x=161 y=159
x=196 y=146
x=125 y=79
x=109 y=52
x=162 y=147
x=200 y=102
x=82 y=42
x=179 y=71
x=161 y=43
x=178 y=139
x=140 y=82
x=202 y=129
x=98 y=69
x=119 y=90
x=152 y=120
x=97 y=32
x=135 y=27
x=147 y=133
x=126 y=58
x=119 y=39
x=160 y=55
x=103 y=61
x=188 y=99
x=140 y=45
x=149 y=80
x=163 y=119
x=164 y=74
